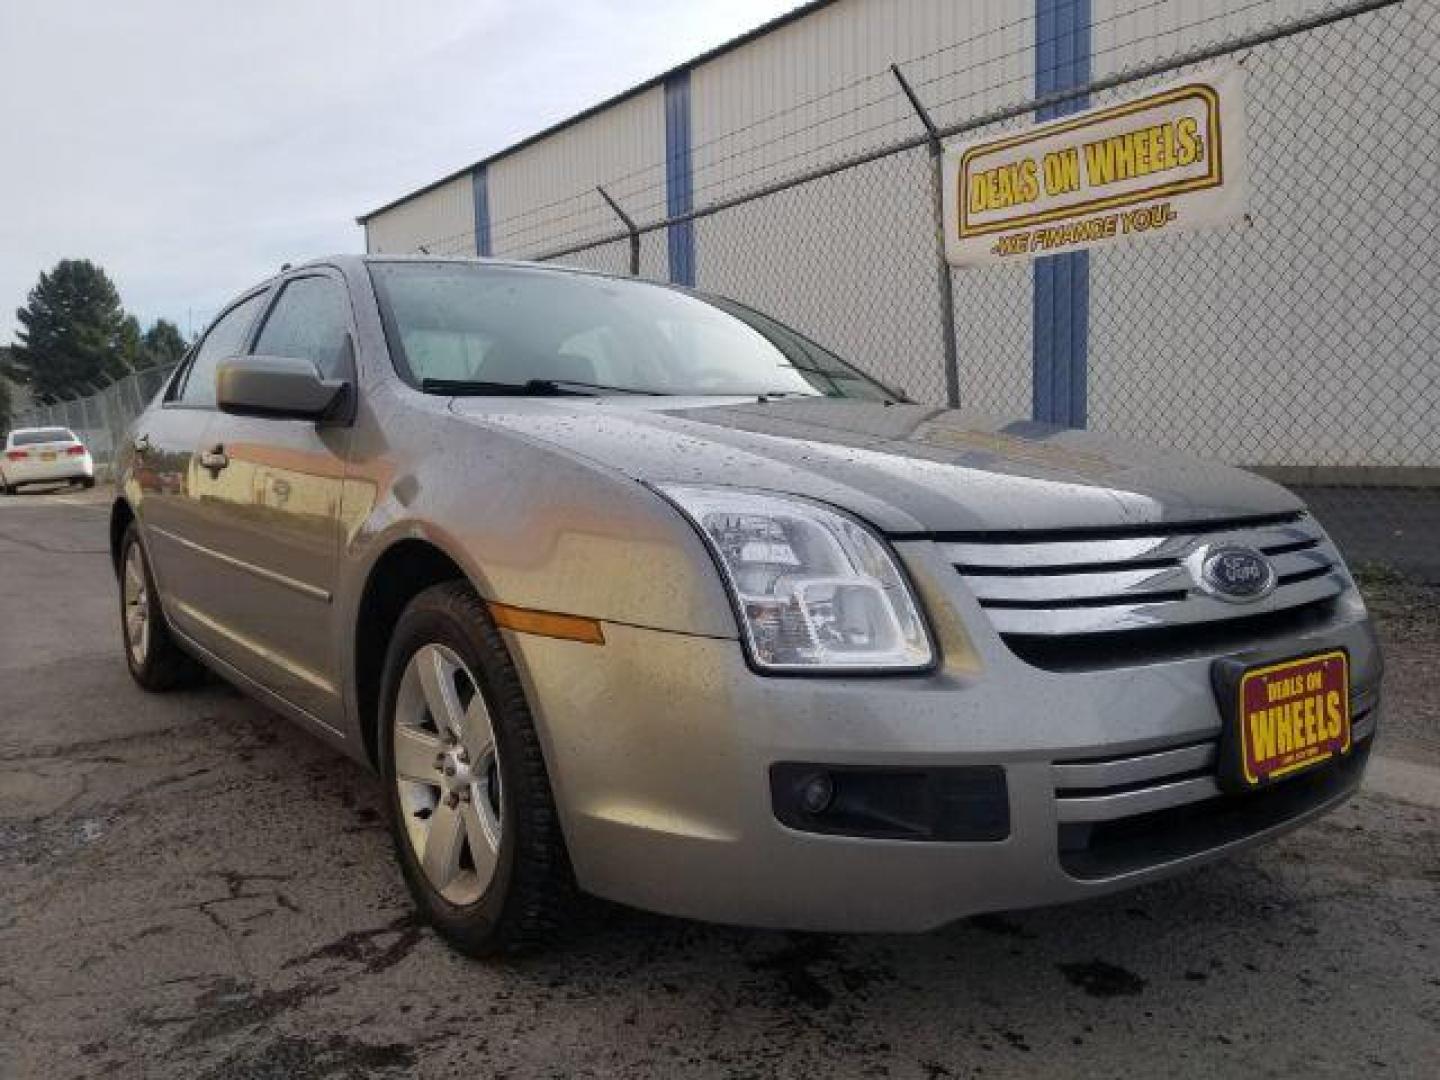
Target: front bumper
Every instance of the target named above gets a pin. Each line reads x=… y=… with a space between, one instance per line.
x=660 y=748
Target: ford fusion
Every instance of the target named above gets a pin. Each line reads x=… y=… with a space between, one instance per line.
x=633 y=591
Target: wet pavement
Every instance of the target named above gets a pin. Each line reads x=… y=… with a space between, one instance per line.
x=191 y=887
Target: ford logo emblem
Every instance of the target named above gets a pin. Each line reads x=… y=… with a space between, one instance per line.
x=1235 y=573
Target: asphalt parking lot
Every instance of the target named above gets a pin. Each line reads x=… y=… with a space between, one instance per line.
x=189 y=886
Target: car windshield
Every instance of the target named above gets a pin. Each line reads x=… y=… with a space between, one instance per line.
x=36 y=436
x=451 y=324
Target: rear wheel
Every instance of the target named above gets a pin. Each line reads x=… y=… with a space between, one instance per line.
x=155 y=661
x=472 y=814
x=87 y=482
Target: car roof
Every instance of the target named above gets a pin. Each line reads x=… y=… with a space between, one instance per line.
x=353 y=264
x=356 y=264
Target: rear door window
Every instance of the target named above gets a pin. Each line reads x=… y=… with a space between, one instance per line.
x=311 y=321
x=225 y=339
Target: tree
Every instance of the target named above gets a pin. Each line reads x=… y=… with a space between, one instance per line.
x=164 y=344
x=72 y=332
x=132 y=343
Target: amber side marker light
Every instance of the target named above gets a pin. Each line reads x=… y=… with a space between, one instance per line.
x=547 y=624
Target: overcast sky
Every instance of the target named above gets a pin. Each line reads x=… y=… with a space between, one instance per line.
x=191 y=147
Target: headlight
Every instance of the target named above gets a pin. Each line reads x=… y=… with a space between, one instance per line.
x=815 y=589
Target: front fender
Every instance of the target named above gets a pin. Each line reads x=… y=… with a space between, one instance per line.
x=532 y=526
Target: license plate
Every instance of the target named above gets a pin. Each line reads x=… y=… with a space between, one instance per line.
x=1289 y=717
x=49 y=455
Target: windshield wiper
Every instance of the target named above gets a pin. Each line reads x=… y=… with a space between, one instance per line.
x=833 y=375
x=480 y=388
x=836 y=377
x=605 y=386
x=529 y=388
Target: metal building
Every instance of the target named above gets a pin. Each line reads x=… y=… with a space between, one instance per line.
x=1327 y=291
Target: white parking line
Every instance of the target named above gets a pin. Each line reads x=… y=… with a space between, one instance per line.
x=81 y=502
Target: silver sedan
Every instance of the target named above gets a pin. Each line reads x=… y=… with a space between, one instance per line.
x=634 y=591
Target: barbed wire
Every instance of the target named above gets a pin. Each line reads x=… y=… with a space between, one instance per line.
x=519 y=230
x=615 y=184
x=592 y=236
x=1324 y=297
x=709 y=166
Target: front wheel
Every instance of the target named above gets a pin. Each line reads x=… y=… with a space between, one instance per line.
x=471 y=810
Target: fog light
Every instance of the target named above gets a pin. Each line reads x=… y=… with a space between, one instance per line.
x=818 y=793
x=956 y=803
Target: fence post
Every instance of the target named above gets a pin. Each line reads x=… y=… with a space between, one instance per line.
x=105 y=402
x=629 y=224
x=96 y=401
x=132 y=383
x=947 y=287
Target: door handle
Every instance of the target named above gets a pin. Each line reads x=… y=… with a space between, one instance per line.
x=214 y=459
x=142 y=444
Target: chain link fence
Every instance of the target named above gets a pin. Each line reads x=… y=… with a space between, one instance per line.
x=1302 y=342
x=102 y=419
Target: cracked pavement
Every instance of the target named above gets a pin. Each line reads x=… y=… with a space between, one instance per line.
x=192 y=887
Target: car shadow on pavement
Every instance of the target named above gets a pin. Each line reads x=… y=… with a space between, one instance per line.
x=223 y=884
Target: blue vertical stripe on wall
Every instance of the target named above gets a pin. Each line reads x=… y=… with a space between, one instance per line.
x=1061 y=306
x=480 y=185
x=679 y=190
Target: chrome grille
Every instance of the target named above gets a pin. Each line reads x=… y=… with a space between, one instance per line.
x=1054 y=585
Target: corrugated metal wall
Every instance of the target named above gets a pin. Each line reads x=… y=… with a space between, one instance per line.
x=1286 y=328
x=820 y=89
x=1128 y=33
x=817 y=89
x=544 y=195
x=441 y=220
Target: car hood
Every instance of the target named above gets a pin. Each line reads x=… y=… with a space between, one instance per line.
x=906 y=468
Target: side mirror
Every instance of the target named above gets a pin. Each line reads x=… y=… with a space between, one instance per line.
x=276 y=387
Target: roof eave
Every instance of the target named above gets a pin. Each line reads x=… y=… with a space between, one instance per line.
x=649 y=84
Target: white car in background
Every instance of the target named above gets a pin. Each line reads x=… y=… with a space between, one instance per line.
x=52 y=455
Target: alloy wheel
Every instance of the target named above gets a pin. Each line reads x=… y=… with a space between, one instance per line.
x=137 y=606
x=447 y=774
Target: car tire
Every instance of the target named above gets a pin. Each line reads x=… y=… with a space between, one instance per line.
x=87 y=483
x=155 y=661
x=471 y=809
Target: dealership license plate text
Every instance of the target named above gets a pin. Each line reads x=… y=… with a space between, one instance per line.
x=1294 y=715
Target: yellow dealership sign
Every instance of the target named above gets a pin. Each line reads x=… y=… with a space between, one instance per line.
x=1171 y=160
